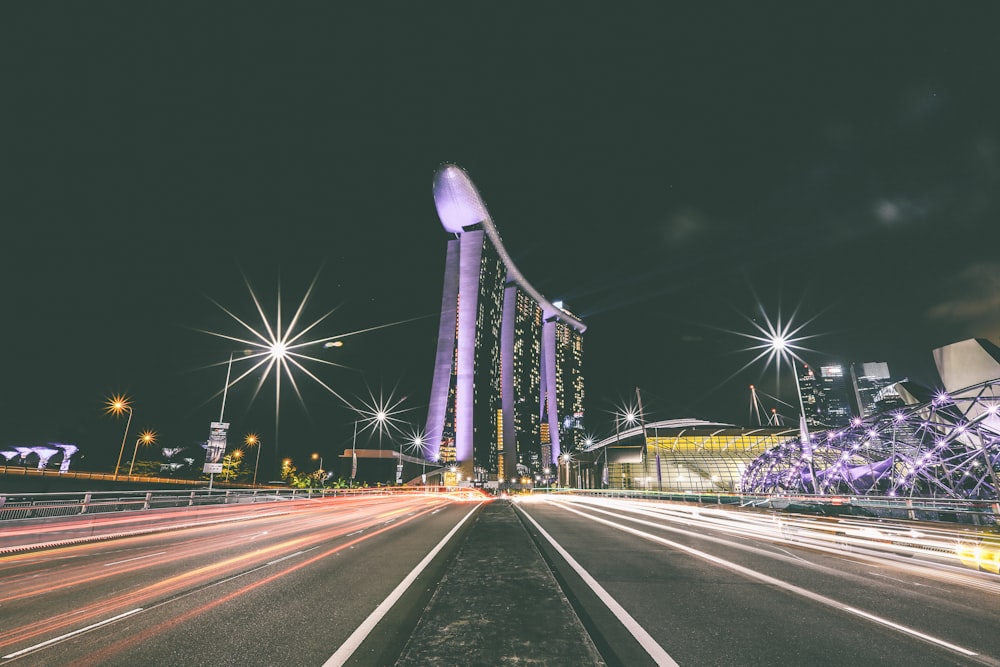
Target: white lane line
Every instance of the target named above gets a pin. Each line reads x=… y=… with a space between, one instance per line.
x=655 y=651
x=355 y=532
x=901 y=581
x=753 y=574
x=278 y=560
x=70 y=634
x=910 y=631
x=129 y=560
x=358 y=636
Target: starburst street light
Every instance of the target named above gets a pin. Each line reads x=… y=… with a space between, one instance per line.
x=146 y=438
x=278 y=345
x=380 y=415
x=779 y=343
x=252 y=440
x=115 y=405
x=415 y=445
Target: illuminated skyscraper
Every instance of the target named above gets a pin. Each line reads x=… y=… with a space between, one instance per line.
x=508 y=377
x=836 y=401
x=825 y=398
x=873 y=388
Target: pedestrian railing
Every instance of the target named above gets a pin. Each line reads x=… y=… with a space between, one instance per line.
x=43 y=505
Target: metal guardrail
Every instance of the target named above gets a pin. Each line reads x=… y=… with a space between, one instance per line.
x=15 y=506
x=970 y=512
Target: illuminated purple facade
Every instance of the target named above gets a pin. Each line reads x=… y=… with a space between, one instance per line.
x=507 y=390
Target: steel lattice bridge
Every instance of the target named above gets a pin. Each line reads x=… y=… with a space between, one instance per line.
x=947 y=446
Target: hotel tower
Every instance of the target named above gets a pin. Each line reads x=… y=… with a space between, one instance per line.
x=507 y=392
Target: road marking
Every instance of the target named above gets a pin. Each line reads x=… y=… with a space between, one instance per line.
x=129 y=560
x=348 y=648
x=901 y=581
x=753 y=574
x=355 y=532
x=278 y=560
x=71 y=634
x=655 y=651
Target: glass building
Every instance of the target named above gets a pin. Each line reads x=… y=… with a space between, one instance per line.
x=678 y=455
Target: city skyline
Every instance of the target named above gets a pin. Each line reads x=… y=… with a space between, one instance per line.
x=661 y=172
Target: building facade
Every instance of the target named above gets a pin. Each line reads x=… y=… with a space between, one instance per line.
x=874 y=389
x=825 y=397
x=676 y=455
x=507 y=391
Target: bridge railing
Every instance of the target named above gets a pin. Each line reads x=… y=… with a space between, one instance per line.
x=951 y=510
x=15 y=506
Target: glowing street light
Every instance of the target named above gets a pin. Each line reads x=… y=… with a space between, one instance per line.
x=279 y=344
x=252 y=440
x=147 y=438
x=781 y=349
x=416 y=446
x=320 y=457
x=116 y=405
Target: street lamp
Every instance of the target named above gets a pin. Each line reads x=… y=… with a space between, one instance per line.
x=780 y=347
x=252 y=440
x=354 y=454
x=147 y=438
x=418 y=444
x=566 y=459
x=320 y=457
x=116 y=405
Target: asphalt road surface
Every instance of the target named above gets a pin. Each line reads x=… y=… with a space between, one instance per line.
x=665 y=584
x=441 y=580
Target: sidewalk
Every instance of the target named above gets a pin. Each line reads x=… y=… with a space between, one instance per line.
x=498 y=604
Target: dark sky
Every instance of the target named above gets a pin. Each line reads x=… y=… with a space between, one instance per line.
x=657 y=167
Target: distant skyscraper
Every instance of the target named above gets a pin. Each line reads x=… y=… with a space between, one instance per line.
x=809 y=387
x=873 y=388
x=507 y=392
x=825 y=397
x=836 y=398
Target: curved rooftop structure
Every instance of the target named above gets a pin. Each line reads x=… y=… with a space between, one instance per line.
x=459 y=205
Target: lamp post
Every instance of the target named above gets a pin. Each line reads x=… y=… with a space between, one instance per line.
x=780 y=347
x=147 y=438
x=218 y=437
x=116 y=405
x=566 y=459
x=418 y=444
x=354 y=454
x=320 y=457
x=631 y=418
x=252 y=440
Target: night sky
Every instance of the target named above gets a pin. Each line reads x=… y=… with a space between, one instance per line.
x=659 y=168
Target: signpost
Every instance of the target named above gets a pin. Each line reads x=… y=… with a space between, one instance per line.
x=215 y=449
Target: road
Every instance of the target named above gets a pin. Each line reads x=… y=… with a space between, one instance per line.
x=287 y=586
x=698 y=586
x=559 y=580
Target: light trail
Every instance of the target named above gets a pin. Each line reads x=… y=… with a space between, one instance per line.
x=929 y=552
x=68 y=635
x=347 y=649
x=192 y=579
x=759 y=576
x=138 y=638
